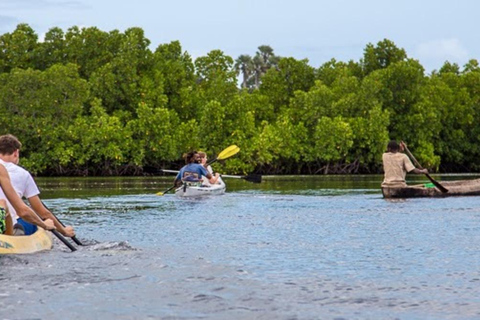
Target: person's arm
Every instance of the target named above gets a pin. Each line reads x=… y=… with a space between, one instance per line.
x=419 y=171
x=23 y=211
x=212 y=179
x=44 y=213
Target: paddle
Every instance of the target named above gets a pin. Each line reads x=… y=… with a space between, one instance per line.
x=60 y=236
x=226 y=153
x=438 y=185
x=74 y=238
x=163 y=192
x=255 y=178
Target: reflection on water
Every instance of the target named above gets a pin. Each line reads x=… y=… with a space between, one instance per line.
x=306 y=185
x=289 y=248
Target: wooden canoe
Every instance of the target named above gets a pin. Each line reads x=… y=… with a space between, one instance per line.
x=39 y=241
x=455 y=188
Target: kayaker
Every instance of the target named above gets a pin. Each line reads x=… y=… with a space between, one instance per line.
x=396 y=165
x=21 y=209
x=203 y=161
x=193 y=171
x=25 y=186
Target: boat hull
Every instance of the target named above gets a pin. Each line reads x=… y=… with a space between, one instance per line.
x=39 y=241
x=195 y=191
x=455 y=188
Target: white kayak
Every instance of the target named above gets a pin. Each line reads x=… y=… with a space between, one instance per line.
x=195 y=190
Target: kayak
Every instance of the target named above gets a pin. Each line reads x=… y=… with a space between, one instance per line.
x=39 y=241
x=197 y=190
x=455 y=188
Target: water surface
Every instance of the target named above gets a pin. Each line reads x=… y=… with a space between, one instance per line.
x=288 y=248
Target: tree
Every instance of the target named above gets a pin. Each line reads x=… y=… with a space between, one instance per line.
x=177 y=71
x=119 y=82
x=216 y=78
x=244 y=65
x=381 y=56
x=38 y=106
x=291 y=75
x=17 y=49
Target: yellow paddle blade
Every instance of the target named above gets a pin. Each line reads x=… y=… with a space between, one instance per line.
x=160 y=193
x=228 y=152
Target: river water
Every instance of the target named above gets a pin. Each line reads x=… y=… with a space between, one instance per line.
x=288 y=248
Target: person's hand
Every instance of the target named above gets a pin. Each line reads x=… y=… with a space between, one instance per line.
x=403 y=146
x=424 y=171
x=49 y=224
x=68 y=231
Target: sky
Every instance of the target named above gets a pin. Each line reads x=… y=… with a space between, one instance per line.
x=431 y=31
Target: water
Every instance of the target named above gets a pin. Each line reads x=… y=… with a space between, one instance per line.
x=289 y=248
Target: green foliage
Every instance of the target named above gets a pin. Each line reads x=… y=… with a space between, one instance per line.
x=17 y=49
x=381 y=56
x=86 y=101
x=280 y=84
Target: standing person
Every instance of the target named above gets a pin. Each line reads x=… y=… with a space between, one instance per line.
x=25 y=186
x=193 y=171
x=396 y=165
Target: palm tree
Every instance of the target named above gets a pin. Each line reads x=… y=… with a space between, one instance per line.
x=254 y=69
x=244 y=65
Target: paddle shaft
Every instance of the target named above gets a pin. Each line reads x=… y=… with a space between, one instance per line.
x=60 y=237
x=162 y=193
x=74 y=238
x=251 y=178
x=65 y=241
x=438 y=185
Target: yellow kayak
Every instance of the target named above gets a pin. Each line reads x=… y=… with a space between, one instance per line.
x=39 y=241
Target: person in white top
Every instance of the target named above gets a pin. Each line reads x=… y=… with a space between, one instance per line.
x=25 y=186
x=203 y=161
x=20 y=207
x=396 y=165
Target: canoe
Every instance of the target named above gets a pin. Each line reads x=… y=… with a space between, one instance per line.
x=39 y=241
x=455 y=188
x=193 y=190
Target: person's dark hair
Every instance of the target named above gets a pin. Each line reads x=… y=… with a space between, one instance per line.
x=393 y=146
x=190 y=157
x=9 y=144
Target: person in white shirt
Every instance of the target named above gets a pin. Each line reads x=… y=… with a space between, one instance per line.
x=24 y=211
x=396 y=164
x=25 y=186
x=203 y=161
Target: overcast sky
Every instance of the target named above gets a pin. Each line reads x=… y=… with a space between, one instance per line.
x=432 y=31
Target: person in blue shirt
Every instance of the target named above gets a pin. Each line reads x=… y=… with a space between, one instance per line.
x=193 y=171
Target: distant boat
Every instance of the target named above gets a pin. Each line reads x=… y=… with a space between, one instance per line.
x=39 y=241
x=455 y=188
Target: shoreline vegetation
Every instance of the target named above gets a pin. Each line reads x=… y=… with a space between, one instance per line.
x=86 y=102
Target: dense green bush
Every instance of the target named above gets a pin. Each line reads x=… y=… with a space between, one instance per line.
x=89 y=102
